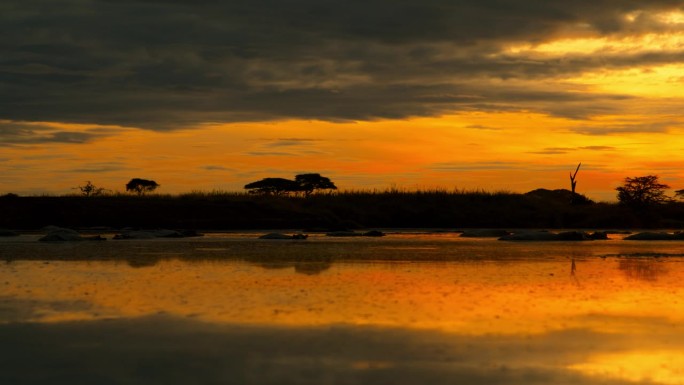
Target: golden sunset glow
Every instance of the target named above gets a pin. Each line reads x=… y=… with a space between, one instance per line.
x=503 y=151
x=342 y=192
x=513 y=106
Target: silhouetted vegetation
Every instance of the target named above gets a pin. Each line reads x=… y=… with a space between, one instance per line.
x=576 y=198
x=540 y=208
x=90 y=190
x=303 y=183
x=272 y=186
x=573 y=179
x=308 y=183
x=642 y=191
x=141 y=186
x=679 y=194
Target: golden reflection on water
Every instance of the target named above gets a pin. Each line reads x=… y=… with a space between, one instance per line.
x=660 y=367
x=465 y=297
x=572 y=314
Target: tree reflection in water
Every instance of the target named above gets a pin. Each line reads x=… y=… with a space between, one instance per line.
x=644 y=269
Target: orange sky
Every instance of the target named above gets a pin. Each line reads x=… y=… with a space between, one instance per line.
x=513 y=112
x=492 y=151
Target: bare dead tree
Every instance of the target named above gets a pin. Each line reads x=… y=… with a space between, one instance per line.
x=573 y=181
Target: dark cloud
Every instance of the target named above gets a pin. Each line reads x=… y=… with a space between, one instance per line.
x=166 y=64
x=286 y=147
x=289 y=142
x=25 y=134
x=565 y=150
x=216 y=168
x=482 y=127
x=598 y=148
x=660 y=127
x=496 y=166
x=552 y=151
x=270 y=153
x=476 y=166
x=299 y=139
x=100 y=167
x=47 y=157
x=292 y=152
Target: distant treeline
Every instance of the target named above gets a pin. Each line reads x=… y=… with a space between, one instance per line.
x=345 y=210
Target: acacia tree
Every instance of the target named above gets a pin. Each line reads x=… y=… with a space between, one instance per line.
x=273 y=186
x=308 y=183
x=141 y=186
x=642 y=191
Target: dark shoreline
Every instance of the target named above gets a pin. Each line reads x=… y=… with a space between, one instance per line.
x=435 y=209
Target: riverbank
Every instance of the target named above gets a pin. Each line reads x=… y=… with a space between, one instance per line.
x=391 y=209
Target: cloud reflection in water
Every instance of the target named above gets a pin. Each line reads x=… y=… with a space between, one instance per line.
x=209 y=317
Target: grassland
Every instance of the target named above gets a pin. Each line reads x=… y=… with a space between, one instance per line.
x=345 y=210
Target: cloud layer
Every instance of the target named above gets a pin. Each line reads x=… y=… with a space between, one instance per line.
x=25 y=134
x=169 y=64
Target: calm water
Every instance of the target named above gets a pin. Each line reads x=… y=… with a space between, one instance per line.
x=404 y=309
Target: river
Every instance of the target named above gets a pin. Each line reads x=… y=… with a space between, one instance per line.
x=413 y=307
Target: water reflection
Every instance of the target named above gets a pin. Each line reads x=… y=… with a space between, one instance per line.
x=137 y=262
x=171 y=350
x=308 y=268
x=380 y=311
x=311 y=267
x=573 y=267
x=646 y=269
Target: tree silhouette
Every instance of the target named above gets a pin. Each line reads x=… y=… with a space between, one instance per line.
x=679 y=194
x=141 y=186
x=642 y=191
x=90 y=190
x=273 y=186
x=573 y=178
x=308 y=183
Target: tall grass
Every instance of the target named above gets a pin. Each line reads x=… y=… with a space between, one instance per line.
x=391 y=207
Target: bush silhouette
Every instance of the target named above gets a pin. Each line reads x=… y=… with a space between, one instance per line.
x=90 y=190
x=141 y=186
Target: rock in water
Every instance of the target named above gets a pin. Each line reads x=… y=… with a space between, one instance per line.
x=163 y=233
x=484 y=233
x=160 y=233
x=599 y=235
x=573 y=236
x=135 y=235
x=548 y=236
x=530 y=236
x=344 y=234
x=283 y=236
x=67 y=235
x=655 y=236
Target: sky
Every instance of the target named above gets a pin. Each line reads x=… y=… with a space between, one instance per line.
x=500 y=95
